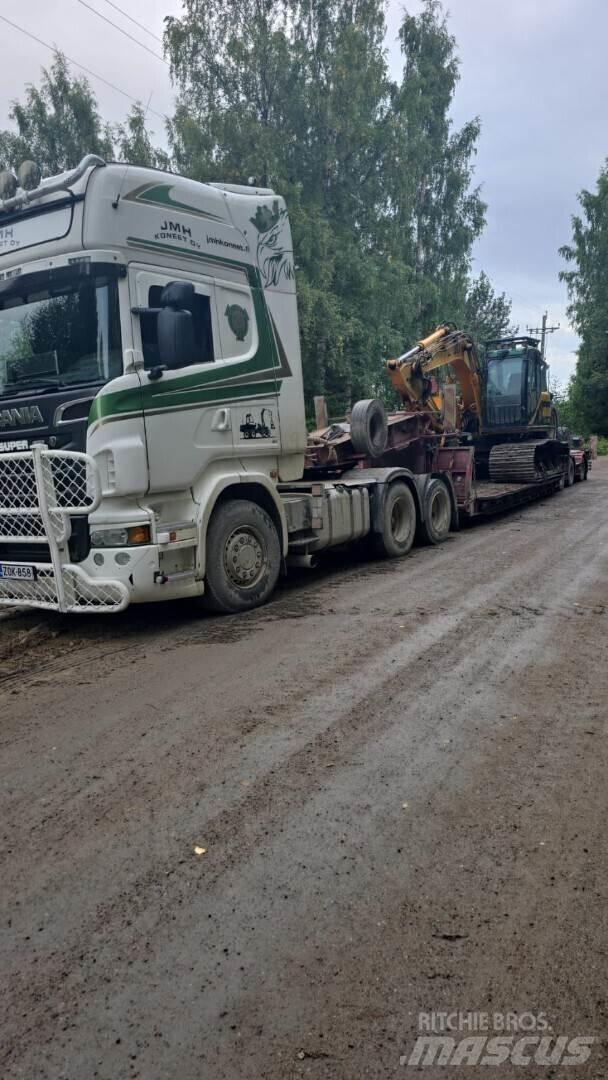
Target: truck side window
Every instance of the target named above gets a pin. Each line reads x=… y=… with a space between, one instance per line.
x=203 y=333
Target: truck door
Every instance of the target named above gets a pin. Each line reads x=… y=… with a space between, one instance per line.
x=248 y=362
x=188 y=413
x=225 y=406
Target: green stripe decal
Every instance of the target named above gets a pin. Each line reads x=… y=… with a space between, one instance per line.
x=115 y=406
x=125 y=401
x=160 y=195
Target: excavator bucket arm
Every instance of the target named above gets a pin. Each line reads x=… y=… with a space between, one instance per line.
x=445 y=347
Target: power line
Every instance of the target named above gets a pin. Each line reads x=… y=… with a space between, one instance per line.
x=88 y=71
x=134 y=21
x=125 y=32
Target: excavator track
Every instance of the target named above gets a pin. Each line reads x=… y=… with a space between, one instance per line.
x=522 y=463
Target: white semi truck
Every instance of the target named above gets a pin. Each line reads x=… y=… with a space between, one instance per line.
x=153 y=442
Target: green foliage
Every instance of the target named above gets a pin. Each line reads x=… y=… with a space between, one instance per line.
x=437 y=213
x=297 y=95
x=587 y=284
x=58 y=123
x=566 y=410
x=486 y=315
x=134 y=142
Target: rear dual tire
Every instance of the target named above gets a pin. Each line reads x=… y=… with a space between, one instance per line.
x=437 y=508
x=398 y=522
x=582 y=475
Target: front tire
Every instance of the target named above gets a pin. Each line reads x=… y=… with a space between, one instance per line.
x=398 y=523
x=243 y=557
x=570 y=474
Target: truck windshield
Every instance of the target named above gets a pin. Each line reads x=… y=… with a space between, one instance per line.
x=59 y=334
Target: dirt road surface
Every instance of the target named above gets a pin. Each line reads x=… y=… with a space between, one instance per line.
x=397 y=772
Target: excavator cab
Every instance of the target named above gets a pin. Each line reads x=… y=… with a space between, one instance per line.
x=516 y=394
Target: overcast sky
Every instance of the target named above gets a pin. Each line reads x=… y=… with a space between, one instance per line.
x=535 y=71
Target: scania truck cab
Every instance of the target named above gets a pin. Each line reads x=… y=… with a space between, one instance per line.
x=149 y=368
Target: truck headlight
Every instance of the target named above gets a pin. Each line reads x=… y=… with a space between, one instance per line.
x=118 y=537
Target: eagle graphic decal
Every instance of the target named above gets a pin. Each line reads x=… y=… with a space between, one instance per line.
x=275 y=260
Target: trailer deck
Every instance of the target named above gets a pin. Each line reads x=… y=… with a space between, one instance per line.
x=488 y=497
x=414 y=445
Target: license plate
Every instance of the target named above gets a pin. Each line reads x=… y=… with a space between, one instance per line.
x=17 y=571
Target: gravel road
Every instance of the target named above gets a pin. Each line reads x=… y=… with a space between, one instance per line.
x=397 y=772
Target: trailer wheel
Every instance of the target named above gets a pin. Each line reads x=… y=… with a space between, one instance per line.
x=435 y=528
x=368 y=427
x=569 y=475
x=243 y=557
x=581 y=474
x=398 y=523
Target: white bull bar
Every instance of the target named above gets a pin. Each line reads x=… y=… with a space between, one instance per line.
x=40 y=491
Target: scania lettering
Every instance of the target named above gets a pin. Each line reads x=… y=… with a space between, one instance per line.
x=28 y=416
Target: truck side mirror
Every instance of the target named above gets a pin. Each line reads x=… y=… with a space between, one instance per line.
x=175 y=325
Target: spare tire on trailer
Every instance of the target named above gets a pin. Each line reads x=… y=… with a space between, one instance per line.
x=369 y=428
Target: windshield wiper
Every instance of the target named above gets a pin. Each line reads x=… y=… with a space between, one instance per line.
x=38 y=386
x=33 y=387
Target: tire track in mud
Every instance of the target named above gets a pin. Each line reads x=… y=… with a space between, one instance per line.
x=449 y=624
x=311 y=598
x=362 y=660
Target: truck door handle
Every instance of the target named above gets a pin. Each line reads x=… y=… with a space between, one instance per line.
x=221 y=420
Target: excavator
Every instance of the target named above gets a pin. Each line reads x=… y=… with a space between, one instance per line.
x=503 y=406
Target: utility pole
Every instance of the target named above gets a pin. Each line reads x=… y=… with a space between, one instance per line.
x=543 y=331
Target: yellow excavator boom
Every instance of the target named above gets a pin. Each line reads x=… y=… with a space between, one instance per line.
x=445 y=347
